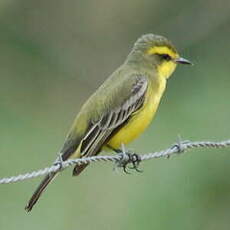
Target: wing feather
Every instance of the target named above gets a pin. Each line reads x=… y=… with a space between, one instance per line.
x=111 y=120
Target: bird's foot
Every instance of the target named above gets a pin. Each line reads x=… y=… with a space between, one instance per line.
x=128 y=158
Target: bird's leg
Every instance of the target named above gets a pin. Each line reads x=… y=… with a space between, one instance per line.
x=127 y=157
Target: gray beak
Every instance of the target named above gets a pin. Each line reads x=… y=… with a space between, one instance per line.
x=181 y=60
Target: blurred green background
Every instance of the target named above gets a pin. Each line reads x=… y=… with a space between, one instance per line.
x=54 y=54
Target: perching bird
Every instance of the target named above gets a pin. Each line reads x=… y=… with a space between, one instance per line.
x=122 y=107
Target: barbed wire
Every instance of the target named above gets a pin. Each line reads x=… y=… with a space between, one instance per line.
x=119 y=159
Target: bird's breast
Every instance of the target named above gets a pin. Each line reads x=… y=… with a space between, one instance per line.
x=141 y=119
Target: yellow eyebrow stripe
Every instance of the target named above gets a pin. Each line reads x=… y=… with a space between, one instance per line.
x=162 y=50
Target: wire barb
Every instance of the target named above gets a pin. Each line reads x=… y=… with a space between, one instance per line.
x=179 y=147
x=59 y=162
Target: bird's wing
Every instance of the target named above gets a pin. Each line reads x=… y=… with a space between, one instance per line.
x=101 y=130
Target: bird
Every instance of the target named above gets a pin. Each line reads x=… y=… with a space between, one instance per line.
x=122 y=107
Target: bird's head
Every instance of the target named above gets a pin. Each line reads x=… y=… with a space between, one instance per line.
x=156 y=52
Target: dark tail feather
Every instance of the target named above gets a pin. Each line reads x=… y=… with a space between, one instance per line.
x=78 y=169
x=33 y=200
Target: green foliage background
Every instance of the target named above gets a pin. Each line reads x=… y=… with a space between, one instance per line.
x=54 y=54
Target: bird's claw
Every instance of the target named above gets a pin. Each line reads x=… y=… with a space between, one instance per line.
x=135 y=160
x=129 y=158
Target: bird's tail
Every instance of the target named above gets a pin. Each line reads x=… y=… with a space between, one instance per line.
x=33 y=200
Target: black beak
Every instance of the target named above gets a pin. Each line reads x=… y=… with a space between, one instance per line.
x=181 y=60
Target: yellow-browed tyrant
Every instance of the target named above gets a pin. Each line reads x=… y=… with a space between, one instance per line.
x=123 y=106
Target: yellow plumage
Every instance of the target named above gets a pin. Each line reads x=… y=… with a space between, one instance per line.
x=142 y=118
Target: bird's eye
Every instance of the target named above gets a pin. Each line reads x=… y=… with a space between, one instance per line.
x=165 y=57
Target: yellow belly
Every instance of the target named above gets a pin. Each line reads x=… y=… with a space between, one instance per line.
x=139 y=121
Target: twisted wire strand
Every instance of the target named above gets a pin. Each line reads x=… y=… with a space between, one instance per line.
x=180 y=147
